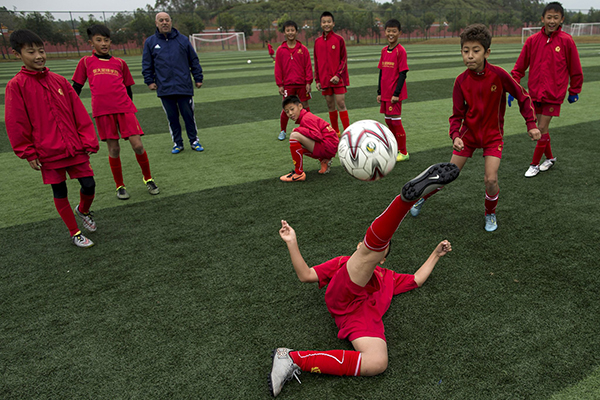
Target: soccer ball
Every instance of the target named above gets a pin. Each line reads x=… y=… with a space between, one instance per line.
x=249 y=61
x=367 y=150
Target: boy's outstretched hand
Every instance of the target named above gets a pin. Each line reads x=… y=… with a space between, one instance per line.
x=287 y=233
x=534 y=134
x=443 y=248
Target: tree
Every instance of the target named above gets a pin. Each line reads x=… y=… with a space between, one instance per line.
x=266 y=32
x=428 y=20
x=142 y=25
x=243 y=26
x=189 y=23
x=38 y=23
x=83 y=25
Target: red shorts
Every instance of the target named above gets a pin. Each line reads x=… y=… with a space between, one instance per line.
x=551 y=110
x=110 y=125
x=323 y=148
x=492 y=149
x=58 y=175
x=330 y=91
x=297 y=90
x=389 y=108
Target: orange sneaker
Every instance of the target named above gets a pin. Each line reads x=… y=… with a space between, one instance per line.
x=325 y=165
x=293 y=177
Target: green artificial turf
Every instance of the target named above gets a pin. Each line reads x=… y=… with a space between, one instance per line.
x=186 y=293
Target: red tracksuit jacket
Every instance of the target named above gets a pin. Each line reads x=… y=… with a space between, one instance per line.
x=331 y=60
x=551 y=60
x=292 y=66
x=45 y=119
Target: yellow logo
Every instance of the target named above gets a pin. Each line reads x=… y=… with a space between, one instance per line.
x=370 y=147
x=551 y=109
x=315 y=370
x=499 y=147
x=333 y=47
x=300 y=51
x=60 y=91
x=494 y=87
x=391 y=108
x=557 y=49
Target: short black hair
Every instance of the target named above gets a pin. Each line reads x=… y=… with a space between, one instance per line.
x=477 y=33
x=289 y=23
x=554 y=6
x=393 y=23
x=24 y=37
x=290 y=100
x=327 y=14
x=101 y=30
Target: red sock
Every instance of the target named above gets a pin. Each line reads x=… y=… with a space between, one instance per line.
x=333 y=118
x=283 y=121
x=540 y=149
x=144 y=165
x=332 y=362
x=297 y=152
x=345 y=119
x=117 y=171
x=64 y=210
x=85 y=202
x=382 y=229
x=548 y=151
x=399 y=133
x=491 y=202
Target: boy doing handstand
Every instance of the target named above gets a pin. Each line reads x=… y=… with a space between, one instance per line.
x=112 y=106
x=314 y=138
x=478 y=107
x=359 y=292
x=48 y=126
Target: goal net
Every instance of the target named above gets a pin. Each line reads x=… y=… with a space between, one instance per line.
x=526 y=32
x=218 y=41
x=585 y=29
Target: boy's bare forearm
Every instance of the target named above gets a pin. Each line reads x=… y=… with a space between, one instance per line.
x=303 y=271
x=423 y=273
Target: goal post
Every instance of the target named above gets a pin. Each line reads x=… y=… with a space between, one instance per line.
x=585 y=29
x=526 y=32
x=215 y=41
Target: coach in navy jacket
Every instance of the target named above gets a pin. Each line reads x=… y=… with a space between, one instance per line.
x=168 y=62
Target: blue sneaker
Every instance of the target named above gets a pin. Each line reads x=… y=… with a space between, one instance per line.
x=177 y=149
x=416 y=208
x=281 y=135
x=490 y=222
x=197 y=146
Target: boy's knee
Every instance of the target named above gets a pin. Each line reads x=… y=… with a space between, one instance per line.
x=490 y=180
x=375 y=366
x=88 y=185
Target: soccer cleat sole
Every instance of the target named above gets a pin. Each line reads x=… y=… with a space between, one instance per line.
x=269 y=378
x=429 y=180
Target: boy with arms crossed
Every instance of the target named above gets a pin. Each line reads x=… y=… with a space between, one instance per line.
x=478 y=107
x=552 y=59
x=359 y=292
x=48 y=126
x=314 y=138
x=293 y=71
x=391 y=88
x=112 y=106
x=331 y=71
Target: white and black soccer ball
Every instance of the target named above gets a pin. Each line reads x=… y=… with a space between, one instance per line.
x=368 y=150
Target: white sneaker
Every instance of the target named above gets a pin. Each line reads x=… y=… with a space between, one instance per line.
x=282 y=371
x=532 y=171
x=81 y=241
x=491 y=224
x=546 y=165
x=281 y=135
x=87 y=219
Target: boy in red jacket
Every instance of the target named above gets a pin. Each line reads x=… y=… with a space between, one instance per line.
x=314 y=137
x=48 y=126
x=112 y=106
x=477 y=121
x=293 y=71
x=331 y=71
x=552 y=59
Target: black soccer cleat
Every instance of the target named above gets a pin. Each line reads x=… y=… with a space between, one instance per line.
x=429 y=180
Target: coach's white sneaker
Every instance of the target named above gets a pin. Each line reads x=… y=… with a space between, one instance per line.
x=546 y=165
x=532 y=171
x=282 y=371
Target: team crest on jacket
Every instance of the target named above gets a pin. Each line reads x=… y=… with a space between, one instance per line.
x=299 y=51
x=60 y=91
x=494 y=87
x=557 y=49
x=333 y=47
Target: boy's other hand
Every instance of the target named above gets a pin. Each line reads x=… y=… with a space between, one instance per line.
x=286 y=232
x=335 y=80
x=318 y=85
x=510 y=99
x=573 y=98
x=534 y=134
x=308 y=88
x=152 y=86
x=458 y=144
x=378 y=99
x=395 y=99
x=443 y=248
x=35 y=164
x=281 y=91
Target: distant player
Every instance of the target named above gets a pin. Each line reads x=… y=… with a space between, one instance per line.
x=359 y=292
x=552 y=59
x=391 y=88
x=112 y=106
x=314 y=138
x=270 y=50
x=48 y=126
x=478 y=107
x=293 y=71
x=331 y=71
